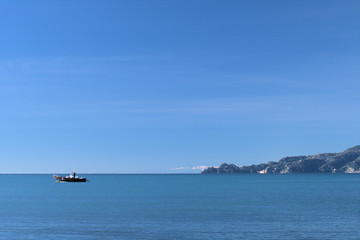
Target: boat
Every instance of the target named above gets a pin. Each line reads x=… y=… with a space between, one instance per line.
x=71 y=178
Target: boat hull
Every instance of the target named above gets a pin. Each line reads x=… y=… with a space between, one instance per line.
x=68 y=179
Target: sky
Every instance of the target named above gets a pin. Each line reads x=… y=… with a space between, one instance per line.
x=156 y=86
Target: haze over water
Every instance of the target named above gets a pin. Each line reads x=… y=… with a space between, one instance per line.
x=306 y=206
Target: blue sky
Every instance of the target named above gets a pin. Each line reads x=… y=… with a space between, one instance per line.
x=167 y=86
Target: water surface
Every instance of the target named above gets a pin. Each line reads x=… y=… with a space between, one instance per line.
x=303 y=206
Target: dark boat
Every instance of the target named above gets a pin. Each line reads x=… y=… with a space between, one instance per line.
x=71 y=178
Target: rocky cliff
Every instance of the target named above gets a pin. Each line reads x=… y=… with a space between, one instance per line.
x=347 y=161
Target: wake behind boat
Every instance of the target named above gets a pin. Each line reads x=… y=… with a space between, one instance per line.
x=71 y=178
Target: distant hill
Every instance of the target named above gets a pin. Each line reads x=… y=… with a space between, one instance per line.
x=347 y=161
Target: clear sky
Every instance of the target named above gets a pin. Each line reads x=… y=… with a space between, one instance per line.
x=152 y=86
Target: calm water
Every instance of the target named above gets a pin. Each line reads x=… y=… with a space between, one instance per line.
x=308 y=206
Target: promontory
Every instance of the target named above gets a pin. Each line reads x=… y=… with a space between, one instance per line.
x=347 y=161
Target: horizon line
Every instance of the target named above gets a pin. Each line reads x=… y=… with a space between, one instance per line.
x=98 y=173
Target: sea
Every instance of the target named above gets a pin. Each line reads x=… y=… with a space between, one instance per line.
x=181 y=206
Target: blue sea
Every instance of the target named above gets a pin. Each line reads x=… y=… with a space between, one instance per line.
x=303 y=206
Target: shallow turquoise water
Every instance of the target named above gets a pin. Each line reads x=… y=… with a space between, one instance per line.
x=308 y=206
